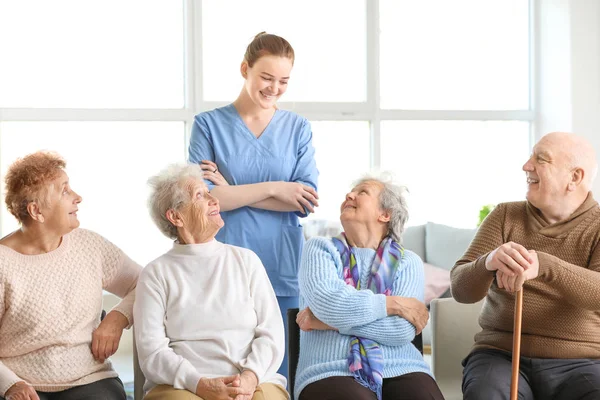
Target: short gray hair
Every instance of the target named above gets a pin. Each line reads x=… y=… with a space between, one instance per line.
x=392 y=199
x=167 y=193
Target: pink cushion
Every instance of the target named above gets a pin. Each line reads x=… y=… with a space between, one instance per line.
x=437 y=281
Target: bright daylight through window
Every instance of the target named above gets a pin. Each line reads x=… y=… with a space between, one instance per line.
x=439 y=98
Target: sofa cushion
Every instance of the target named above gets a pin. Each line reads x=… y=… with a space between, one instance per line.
x=437 y=282
x=413 y=239
x=444 y=245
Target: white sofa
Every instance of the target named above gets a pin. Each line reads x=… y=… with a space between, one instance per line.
x=438 y=245
x=454 y=326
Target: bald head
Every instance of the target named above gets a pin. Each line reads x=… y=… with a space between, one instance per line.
x=578 y=152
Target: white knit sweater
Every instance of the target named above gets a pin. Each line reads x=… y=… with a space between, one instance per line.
x=207 y=310
x=50 y=304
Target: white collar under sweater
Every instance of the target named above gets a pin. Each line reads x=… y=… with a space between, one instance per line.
x=208 y=249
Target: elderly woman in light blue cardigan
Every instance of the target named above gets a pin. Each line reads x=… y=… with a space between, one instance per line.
x=361 y=301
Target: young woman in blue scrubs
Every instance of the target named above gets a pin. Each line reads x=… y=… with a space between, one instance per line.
x=259 y=162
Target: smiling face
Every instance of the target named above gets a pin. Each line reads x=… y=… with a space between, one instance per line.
x=549 y=174
x=362 y=204
x=200 y=217
x=267 y=79
x=59 y=211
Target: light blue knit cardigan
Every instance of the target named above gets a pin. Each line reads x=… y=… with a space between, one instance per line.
x=324 y=354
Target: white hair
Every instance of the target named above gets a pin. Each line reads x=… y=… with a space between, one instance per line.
x=168 y=193
x=391 y=199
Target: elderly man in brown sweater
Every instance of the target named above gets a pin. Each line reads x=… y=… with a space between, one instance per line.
x=547 y=245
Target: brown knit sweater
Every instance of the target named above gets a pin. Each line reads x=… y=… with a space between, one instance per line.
x=561 y=307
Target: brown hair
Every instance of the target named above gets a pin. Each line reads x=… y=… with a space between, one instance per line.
x=27 y=178
x=266 y=43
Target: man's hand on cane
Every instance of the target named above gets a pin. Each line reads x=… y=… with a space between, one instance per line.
x=514 y=265
x=515 y=283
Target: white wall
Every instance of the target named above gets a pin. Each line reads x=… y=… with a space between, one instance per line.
x=553 y=69
x=567 y=95
x=585 y=71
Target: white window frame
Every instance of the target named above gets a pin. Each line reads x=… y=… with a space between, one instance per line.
x=369 y=111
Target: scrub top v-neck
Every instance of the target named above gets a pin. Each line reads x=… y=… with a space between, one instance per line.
x=283 y=152
x=245 y=126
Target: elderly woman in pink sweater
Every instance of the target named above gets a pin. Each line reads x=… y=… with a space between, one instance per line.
x=52 y=275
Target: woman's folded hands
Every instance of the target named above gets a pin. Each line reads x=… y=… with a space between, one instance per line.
x=238 y=387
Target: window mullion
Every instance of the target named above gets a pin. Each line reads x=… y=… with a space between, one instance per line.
x=193 y=64
x=373 y=81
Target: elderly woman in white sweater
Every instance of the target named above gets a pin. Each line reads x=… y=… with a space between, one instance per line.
x=208 y=325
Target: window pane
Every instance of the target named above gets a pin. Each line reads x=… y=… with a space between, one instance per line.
x=342 y=152
x=460 y=54
x=82 y=54
x=330 y=49
x=109 y=169
x=453 y=168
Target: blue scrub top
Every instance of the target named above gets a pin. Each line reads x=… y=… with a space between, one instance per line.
x=283 y=152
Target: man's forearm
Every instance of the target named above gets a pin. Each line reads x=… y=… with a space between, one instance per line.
x=578 y=285
x=470 y=281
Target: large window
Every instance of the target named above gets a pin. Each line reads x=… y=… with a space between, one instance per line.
x=436 y=91
x=342 y=155
x=454 y=55
x=106 y=167
x=452 y=168
x=331 y=50
x=83 y=54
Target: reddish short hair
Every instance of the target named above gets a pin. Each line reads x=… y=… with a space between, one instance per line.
x=27 y=178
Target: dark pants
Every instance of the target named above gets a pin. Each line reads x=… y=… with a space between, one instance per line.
x=285 y=303
x=415 y=386
x=105 y=389
x=487 y=375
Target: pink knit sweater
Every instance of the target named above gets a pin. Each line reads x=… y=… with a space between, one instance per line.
x=50 y=304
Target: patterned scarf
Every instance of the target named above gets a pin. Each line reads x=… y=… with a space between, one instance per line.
x=365 y=360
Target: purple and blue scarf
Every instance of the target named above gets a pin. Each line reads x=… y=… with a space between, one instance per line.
x=365 y=360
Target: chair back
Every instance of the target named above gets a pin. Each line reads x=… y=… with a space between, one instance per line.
x=293 y=348
x=454 y=326
x=138 y=376
x=418 y=342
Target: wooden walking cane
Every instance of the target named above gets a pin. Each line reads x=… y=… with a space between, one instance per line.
x=516 y=351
